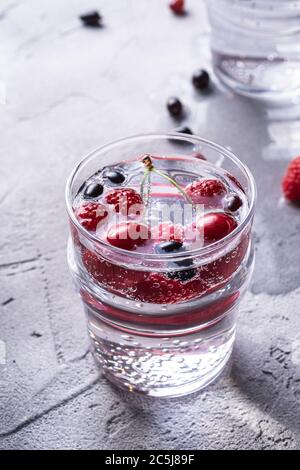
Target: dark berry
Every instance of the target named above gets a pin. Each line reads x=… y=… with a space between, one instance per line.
x=184 y=262
x=174 y=106
x=115 y=176
x=184 y=275
x=201 y=80
x=167 y=247
x=93 y=190
x=184 y=130
x=92 y=19
x=233 y=203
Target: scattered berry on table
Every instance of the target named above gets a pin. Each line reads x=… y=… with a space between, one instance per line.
x=177 y=6
x=92 y=19
x=93 y=190
x=200 y=190
x=201 y=80
x=115 y=176
x=89 y=214
x=215 y=225
x=128 y=235
x=125 y=200
x=233 y=202
x=174 y=106
x=291 y=181
x=184 y=130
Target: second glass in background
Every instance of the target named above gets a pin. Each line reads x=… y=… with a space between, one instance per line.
x=256 y=47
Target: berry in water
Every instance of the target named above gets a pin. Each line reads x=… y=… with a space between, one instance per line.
x=158 y=289
x=115 y=176
x=291 y=181
x=125 y=200
x=201 y=80
x=110 y=274
x=92 y=19
x=89 y=214
x=205 y=191
x=177 y=6
x=167 y=231
x=184 y=275
x=128 y=235
x=168 y=247
x=233 y=203
x=93 y=190
x=174 y=106
x=215 y=225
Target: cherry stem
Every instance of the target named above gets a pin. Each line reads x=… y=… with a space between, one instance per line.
x=150 y=167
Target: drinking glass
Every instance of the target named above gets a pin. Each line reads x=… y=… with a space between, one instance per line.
x=154 y=347
x=256 y=47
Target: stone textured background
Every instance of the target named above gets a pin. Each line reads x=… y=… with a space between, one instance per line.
x=70 y=89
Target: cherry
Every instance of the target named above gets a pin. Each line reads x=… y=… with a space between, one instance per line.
x=128 y=235
x=215 y=226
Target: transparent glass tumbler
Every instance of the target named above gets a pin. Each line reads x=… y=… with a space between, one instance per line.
x=161 y=349
x=256 y=47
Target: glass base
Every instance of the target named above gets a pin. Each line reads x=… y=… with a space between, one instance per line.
x=161 y=366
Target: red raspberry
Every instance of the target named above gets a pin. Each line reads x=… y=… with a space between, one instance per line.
x=215 y=226
x=128 y=235
x=206 y=191
x=291 y=181
x=109 y=274
x=158 y=289
x=166 y=231
x=124 y=199
x=177 y=6
x=89 y=214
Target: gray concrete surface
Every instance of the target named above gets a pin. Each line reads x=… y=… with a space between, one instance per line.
x=68 y=90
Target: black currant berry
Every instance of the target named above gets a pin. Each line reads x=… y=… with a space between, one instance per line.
x=184 y=130
x=201 y=80
x=233 y=203
x=174 y=106
x=115 y=176
x=92 y=19
x=184 y=275
x=169 y=246
x=93 y=190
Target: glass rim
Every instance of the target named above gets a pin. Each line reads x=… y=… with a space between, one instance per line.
x=155 y=256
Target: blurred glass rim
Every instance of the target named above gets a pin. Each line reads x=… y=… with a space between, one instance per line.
x=184 y=138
